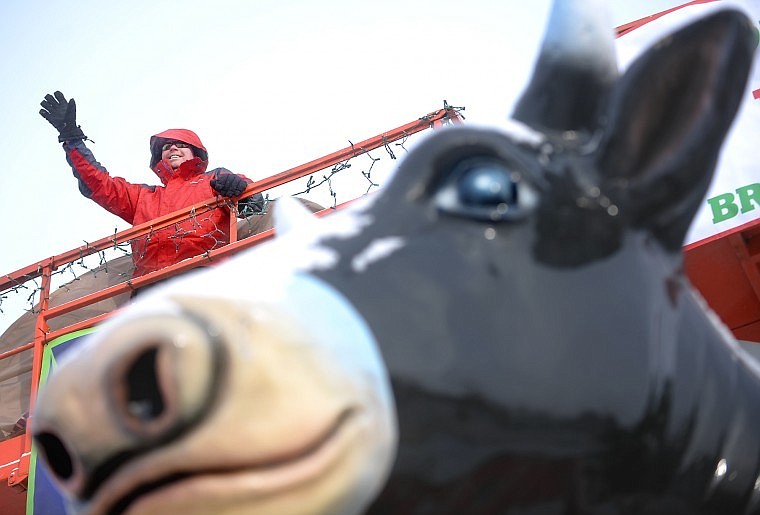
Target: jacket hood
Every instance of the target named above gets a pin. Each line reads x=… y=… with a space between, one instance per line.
x=183 y=135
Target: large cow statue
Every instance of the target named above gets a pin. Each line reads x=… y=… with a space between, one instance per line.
x=522 y=288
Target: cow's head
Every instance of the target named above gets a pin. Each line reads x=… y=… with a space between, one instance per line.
x=523 y=287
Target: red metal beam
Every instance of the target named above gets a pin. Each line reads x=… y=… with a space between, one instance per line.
x=10 y=453
x=13 y=489
x=725 y=268
x=357 y=149
x=628 y=27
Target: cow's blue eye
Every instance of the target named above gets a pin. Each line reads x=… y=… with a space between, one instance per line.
x=486 y=189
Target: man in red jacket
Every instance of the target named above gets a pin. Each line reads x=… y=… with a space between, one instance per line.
x=179 y=159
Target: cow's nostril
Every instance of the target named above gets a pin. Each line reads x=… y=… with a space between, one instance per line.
x=143 y=391
x=56 y=455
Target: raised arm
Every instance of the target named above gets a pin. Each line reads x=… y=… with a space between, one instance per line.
x=114 y=194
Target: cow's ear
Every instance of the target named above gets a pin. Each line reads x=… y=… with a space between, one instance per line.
x=667 y=118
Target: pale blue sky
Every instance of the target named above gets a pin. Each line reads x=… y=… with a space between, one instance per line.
x=267 y=84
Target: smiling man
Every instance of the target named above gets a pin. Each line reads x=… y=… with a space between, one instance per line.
x=179 y=159
x=176 y=152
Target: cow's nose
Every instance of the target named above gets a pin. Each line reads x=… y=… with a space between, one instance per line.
x=145 y=384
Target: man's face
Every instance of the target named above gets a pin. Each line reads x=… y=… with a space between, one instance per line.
x=176 y=152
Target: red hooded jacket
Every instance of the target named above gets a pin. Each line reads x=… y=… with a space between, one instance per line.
x=139 y=203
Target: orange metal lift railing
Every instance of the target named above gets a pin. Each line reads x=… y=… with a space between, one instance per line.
x=44 y=269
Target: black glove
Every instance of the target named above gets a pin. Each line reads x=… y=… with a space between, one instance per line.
x=255 y=204
x=62 y=115
x=228 y=184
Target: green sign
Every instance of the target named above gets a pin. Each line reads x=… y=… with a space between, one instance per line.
x=728 y=205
